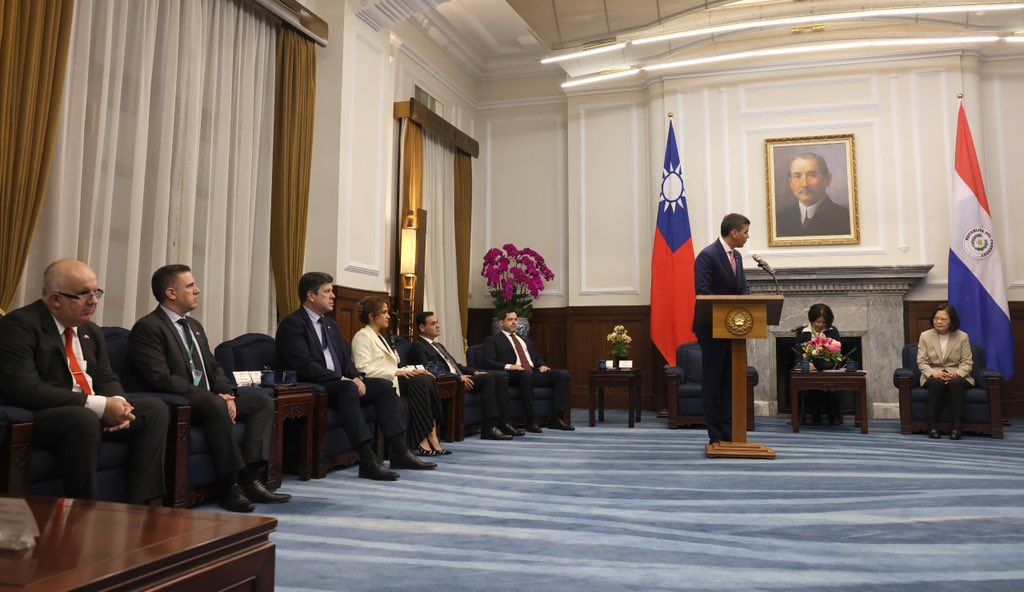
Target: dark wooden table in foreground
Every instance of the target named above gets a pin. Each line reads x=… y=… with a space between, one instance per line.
x=601 y=379
x=85 y=545
x=830 y=381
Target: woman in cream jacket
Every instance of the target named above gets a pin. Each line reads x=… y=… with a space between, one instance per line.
x=944 y=357
x=374 y=356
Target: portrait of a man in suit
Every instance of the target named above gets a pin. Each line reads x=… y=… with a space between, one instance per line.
x=812 y=192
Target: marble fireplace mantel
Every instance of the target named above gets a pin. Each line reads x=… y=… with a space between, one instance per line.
x=867 y=302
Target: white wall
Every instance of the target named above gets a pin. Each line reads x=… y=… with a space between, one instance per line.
x=576 y=176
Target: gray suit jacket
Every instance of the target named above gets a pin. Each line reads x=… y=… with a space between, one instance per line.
x=958 y=359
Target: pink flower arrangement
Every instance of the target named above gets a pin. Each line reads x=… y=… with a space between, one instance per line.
x=823 y=348
x=515 y=278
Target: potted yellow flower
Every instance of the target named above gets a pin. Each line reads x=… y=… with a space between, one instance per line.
x=620 y=340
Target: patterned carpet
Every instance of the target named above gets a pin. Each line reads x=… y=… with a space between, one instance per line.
x=609 y=508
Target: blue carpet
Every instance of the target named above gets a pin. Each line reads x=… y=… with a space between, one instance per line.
x=608 y=508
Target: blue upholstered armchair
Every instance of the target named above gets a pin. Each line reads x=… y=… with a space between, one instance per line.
x=683 y=384
x=331 y=447
x=25 y=470
x=454 y=398
x=983 y=413
x=542 y=395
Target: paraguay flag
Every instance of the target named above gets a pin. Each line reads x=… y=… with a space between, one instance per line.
x=976 y=285
x=672 y=289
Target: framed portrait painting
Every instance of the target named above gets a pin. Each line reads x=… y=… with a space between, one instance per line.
x=812 y=191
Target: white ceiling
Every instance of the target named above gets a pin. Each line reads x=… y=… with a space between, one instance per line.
x=507 y=38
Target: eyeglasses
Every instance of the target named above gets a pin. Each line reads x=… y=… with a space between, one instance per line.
x=97 y=294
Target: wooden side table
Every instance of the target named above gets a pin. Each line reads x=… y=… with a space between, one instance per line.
x=601 y=379
x=292 y=402
x=830 y=381
x=453 y=403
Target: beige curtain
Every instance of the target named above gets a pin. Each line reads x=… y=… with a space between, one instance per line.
x=293 y=150
x=463 y=231
x=34 y=38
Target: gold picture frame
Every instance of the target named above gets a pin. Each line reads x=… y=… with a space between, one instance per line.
x=820 y=174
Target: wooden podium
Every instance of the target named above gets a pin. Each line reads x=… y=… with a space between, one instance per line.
x=739 y=318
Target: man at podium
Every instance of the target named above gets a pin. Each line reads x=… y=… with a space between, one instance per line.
x=718 y=270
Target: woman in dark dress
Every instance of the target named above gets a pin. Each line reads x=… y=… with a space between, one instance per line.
x=374 y=356
x=820 y=319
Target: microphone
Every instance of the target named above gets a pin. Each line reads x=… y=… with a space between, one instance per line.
x=850 y=353
x=764 y=264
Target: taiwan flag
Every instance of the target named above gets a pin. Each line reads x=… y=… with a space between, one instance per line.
x=976 y=285
x=672 y=281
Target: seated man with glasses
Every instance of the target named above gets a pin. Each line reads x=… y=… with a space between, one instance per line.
x=53 y=361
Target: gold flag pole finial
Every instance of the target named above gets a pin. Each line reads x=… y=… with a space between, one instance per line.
x=960 y=96
x=671 y=115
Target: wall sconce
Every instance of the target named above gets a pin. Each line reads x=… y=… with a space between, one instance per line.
x=410 y=267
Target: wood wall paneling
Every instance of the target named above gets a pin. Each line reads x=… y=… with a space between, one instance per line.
x=575 y=338
x=345 y=302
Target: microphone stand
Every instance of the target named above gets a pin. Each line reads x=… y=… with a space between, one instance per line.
x=765 y=267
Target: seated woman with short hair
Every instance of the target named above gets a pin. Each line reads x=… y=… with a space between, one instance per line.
x=945 y=360
x=820 y=319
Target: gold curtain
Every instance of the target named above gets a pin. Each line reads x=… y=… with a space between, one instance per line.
x=34 y=38
x=463 y=231
x=293 y=150
x=412 y=176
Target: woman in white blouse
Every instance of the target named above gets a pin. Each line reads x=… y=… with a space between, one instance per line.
x=944 y=357
x=374 y=356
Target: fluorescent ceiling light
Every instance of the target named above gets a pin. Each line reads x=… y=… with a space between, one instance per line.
x=600 y=77
x=821 y=18
x=1017 y=39
x=795 y=49
x=582 y=54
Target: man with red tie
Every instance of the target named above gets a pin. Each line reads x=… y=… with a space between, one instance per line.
x=718 y=269
x=526 y=369
x=53 y=361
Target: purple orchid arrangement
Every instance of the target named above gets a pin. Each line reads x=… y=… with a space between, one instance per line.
x=515 y=278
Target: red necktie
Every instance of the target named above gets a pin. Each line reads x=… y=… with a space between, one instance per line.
x=76 y=370
x=732 y=261
x=521 y=353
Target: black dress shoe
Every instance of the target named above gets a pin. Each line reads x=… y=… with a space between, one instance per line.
x=233 y=500
x=493 y=433
x=557 y=424
x=508 y=430
x=955 y=434
x=408 y=460
x=933 y=434
x=377 y=471
x=258 y=492
x=533 y=427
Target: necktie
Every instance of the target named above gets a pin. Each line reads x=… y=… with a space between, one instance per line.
x=524 y=361
x=452 y=364
x=190 y=346
x=76 y=370
x=807 y=220
x=329 y=347
x=732 y=261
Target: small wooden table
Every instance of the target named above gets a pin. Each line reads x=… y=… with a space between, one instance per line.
x=830 y=380
x=292 y=402
x=87 y=545
x=600 y=379
x=453 y=402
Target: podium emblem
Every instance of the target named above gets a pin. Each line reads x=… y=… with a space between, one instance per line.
x=739 y=321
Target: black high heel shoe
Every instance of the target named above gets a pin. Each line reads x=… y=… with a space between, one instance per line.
x=424 y=452
x=440 y=451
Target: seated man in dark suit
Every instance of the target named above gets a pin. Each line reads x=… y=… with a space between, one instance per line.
x=426 y=349
x=309 y=342
x=53 y=361
x=526 y=368
x=170 y=352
